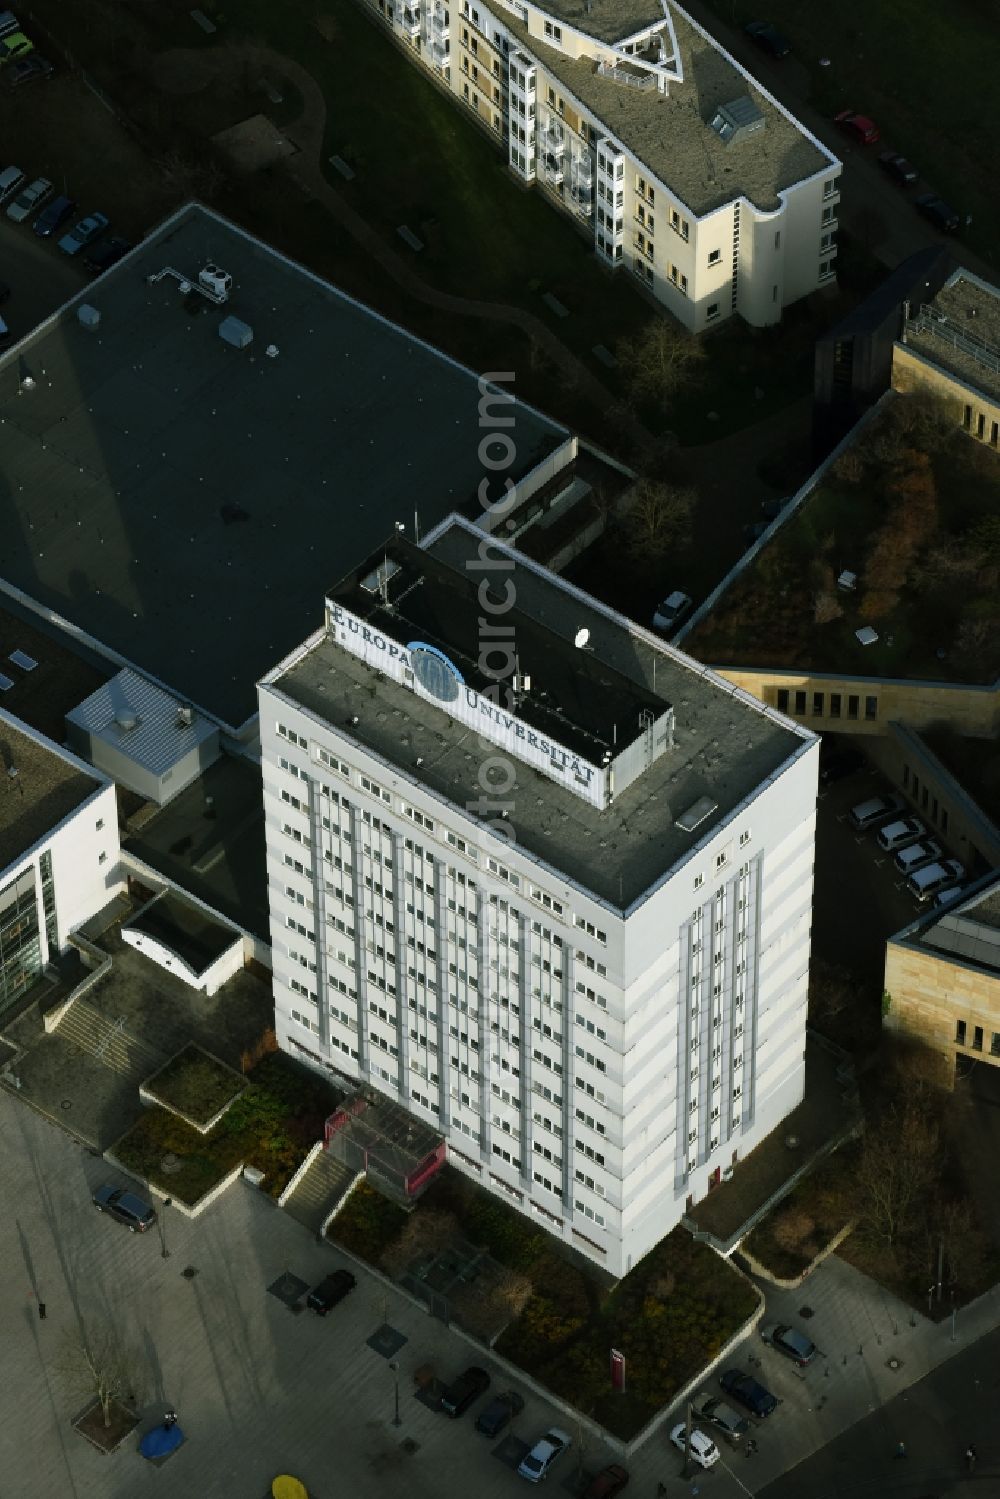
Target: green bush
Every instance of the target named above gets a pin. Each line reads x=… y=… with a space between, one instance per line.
x=368 y=1224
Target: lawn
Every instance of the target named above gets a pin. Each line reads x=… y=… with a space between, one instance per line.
x=272 y=1126
x=669 y=1316
x=912 y=510
x=800 y=1227
x=195 y=1084
x=418 y=161
x=922 y=71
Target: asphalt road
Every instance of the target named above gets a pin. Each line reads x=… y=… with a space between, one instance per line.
x=954 y=1405
x=40 y=277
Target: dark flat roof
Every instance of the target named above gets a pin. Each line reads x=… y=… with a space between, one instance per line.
x=577 y=698
x=46 y=789
x=184 y=502
x=197 y=938
x=728 y=743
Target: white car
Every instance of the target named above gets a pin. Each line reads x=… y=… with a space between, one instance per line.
x=875 y=810
x=703 y=1449
x=925 y=883
x=946 y=897
x=536 y=1463
x=33 y=196
x=898 y=832
x=917 y=855
x=669 y=614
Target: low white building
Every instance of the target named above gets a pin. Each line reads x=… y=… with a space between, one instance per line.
x=143 y=737
x=668 y=154
x=60 y=860
x=568 y=923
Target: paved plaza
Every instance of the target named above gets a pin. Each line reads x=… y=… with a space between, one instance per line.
x=262 y=1389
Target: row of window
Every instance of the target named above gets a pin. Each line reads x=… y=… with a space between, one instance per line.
x=977 y=422
x=925 y=798
x=976 y=1044
x=821 y=708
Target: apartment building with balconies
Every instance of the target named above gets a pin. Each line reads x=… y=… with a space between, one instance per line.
x=631 y=118
x=564 y=916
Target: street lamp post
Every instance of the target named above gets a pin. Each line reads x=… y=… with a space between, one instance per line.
x=394 y=1366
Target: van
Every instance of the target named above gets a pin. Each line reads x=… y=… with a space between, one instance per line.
x=925 y=883
x=916 y=855
x=867 y=814
x=901 y=830
x=10 y=180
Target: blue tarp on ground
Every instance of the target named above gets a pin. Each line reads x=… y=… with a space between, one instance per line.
x=161 y=1441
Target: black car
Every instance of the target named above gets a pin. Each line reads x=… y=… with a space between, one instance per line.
x=838 y=762
x=26 y=69
x=750 y=1394
x=324 y=1297
x=937 y=211
x=50 y=218
x=768 y=38
x=898 y=168
x=755 y=531
x=499 y=1413
x=466 y=1388
x=108 y=253
x=125 y=1207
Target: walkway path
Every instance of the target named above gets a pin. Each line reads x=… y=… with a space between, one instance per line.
x=307 y=134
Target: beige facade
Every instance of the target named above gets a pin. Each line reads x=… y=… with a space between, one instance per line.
x=948 y=998
x=608 y=110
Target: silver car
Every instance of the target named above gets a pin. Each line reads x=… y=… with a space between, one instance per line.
x=33 y=196
x=536 y=1463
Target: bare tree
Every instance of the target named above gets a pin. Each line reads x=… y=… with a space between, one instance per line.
x=103 y=1366
x=657 y=517
x=897 y=1169
x=486 y=1309
x=427 y=1231
x=659 y=360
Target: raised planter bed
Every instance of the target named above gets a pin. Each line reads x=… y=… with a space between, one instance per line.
x=195 y=1086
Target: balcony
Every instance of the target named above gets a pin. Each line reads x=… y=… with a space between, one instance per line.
x=552 y=142
x=438 y=29
x=409 y=20
x=553 y=168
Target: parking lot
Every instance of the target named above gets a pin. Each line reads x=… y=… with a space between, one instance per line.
x=261 y=1388
x=40 y=278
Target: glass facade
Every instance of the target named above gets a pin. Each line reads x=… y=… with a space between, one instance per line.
x=48 y=900
x=20 y=943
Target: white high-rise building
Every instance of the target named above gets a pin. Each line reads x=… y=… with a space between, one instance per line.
x=542 y=879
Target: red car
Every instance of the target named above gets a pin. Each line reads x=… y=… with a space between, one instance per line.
x=864 y=130
x=606 y=1484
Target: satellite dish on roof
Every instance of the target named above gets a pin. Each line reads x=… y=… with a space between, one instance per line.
x=581 y=638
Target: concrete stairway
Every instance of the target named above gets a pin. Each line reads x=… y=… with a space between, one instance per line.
x=101 y=1038
x=320 y=1189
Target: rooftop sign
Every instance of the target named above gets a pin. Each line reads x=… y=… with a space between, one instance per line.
x=429 y=673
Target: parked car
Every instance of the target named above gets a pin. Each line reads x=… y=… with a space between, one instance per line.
x=768 y=38
x=838 y=761
x=607 y=1483
x=745 y=1389
x=755 y=531
x=83 y=233
x=29 y=198
x=535 y=1465
x=464 y=1390
x=499 y=1413
x=108 y=253
x=916 y=855
x=125 y=1207
x=28 y=68
x=897 y=167
x=11 y=179
x=710 y=1408
x=860 y=127
x=673 y=609
x=702 y=1449
x=789 y=1341
x=900 y=831
x=948 y=896
x=938 y=212
x=54 y=216
x=925 y=883
x=875 y=810
x=4 y=331
x=14 y=45
x=331 y=1290
x=8 y=22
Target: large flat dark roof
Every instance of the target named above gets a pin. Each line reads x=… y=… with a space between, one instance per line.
x=185 y=502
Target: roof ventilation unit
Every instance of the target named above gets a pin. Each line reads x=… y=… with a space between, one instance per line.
x=215 y=282
x=185 y=716
x=696 y=813
x=232 y=330
x=88 y=317
x=126 y=720
x=736 y=120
